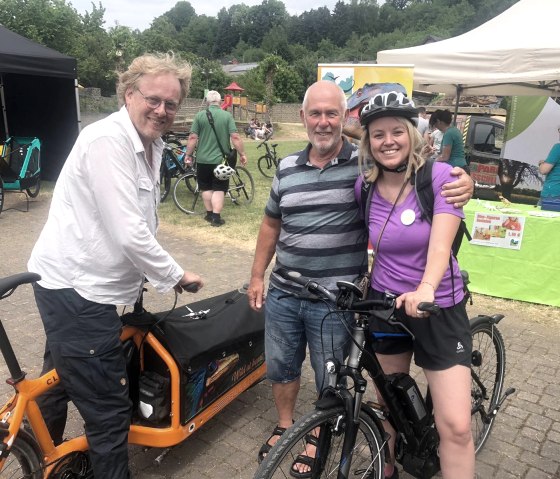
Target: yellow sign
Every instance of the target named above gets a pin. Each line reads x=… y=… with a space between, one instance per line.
x=350 y=76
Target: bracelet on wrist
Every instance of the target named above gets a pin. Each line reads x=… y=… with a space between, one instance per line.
x=428 y=283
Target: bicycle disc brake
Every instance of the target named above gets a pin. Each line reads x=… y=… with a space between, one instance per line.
x=73 y=466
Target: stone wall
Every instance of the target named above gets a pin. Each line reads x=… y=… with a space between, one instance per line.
x=93 y=107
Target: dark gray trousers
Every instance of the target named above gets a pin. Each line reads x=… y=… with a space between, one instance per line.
x=83 y=345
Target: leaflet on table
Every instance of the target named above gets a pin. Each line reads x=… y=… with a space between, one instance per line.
x=500 y=231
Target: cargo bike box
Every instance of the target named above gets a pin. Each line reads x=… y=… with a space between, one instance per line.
x=215 y=343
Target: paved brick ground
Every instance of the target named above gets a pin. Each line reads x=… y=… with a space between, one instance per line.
x=525 y=442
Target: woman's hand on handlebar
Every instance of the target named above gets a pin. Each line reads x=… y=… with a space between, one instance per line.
x=190 y=282
x=411 y=300
x=255 y=293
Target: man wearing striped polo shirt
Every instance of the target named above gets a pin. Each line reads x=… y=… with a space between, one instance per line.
x=313 y=225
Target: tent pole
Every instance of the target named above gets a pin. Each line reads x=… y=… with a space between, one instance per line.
x=3 y=103
x=76 y=89
x=458 y=92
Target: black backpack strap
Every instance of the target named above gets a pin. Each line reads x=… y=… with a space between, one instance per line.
x=424 y=191
x=366 y=192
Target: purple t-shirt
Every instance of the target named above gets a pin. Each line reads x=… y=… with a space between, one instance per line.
x=403 y=249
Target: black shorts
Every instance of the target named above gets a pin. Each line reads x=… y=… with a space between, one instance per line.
x=206 y=179
x=441 y=341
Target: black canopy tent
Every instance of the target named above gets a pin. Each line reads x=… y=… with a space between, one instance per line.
x=38 y=93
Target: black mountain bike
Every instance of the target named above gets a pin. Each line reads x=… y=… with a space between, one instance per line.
x=269 y=162
x=350 y=434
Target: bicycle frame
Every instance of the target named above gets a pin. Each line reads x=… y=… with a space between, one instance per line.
x=23 y=402
x=363 y=357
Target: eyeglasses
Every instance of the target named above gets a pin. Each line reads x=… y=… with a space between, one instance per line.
x=154 y=102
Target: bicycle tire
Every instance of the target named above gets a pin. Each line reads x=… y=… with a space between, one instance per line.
x=164 y=184
x=241 y=187
x=368 y=458
x=188 y=202
x=266 y=166
x=33 y=192
x=191 y=180
x=1 y=194
x=24 y=460
x=488 y=367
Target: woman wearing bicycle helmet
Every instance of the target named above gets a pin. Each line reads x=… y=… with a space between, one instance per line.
x=413 y=260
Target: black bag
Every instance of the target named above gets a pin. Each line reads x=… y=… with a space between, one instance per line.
x=154 y=402
x=214 y=349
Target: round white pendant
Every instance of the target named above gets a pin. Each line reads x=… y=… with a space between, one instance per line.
x=408 y=217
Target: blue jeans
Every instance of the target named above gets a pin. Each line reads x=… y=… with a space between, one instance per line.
x=291 y=324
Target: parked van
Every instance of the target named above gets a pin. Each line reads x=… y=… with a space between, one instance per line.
x=483 y=139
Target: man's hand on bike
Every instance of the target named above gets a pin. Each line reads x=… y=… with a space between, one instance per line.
x=460 y=191
x=190 y=282
x=411 y=300
x=255 y=293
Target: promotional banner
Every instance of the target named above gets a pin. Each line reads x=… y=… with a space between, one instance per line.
x=361 y=82
x=352 y=76
x=500 y=231
x=531 y=129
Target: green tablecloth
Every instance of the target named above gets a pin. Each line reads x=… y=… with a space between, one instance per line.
x=531 y=273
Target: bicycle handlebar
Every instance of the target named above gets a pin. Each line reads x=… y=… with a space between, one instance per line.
x=349 y=296
x=312 y=286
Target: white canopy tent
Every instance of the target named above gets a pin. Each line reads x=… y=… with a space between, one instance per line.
x=515 y=53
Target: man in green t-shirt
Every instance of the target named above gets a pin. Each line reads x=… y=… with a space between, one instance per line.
x=209 y=147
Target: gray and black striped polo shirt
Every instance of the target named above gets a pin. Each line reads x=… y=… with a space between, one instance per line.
x=322 y=234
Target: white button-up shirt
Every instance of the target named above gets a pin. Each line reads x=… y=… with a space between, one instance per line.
x=99 y=238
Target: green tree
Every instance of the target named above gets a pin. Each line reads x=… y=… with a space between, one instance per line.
x=160 y=37
x=199 y=37
x=180 y=15
x=95 y=53
x=52 y=23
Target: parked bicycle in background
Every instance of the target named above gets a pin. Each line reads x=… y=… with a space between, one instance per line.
x=172 y=165
x=188 y=198
x=268 y=163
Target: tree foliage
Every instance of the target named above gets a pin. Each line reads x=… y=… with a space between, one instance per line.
x=287 y=47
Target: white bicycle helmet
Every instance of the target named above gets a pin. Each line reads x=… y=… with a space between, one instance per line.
x=389 y=104
x=223 y=172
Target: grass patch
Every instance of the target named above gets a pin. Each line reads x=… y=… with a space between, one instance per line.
x=242 y=222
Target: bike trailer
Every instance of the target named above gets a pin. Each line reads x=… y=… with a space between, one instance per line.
x=216 y=343
x=20 y=163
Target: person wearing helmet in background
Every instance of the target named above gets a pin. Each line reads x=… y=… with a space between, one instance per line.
x=413 y=261
x=210 y=143
x=312 y=224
